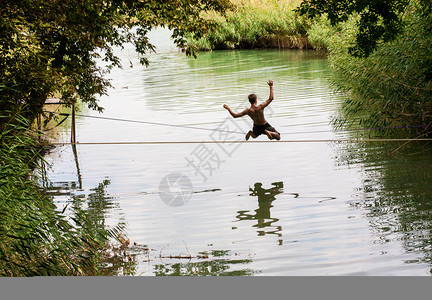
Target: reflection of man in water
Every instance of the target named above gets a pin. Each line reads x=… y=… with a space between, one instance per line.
x=262 y=213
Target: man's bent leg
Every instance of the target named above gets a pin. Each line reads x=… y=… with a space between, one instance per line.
x=250 y=134
x=269 y=134
x=272 y=135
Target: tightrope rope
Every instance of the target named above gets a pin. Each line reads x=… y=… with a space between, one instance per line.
x=240 y=142
x=153 y=123
x=238 y=132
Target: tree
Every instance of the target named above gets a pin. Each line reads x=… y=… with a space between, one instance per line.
x=379 y=19
x=392 y=86
x=49 y=47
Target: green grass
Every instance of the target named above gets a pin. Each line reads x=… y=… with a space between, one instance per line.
x=256 y=24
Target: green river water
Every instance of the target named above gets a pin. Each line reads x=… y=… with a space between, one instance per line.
x=258 y=209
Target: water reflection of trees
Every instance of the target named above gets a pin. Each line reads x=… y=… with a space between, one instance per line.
x=396 y=192
x=88 y=213
x=217 y=265
x=265 y=223
x=205 y=79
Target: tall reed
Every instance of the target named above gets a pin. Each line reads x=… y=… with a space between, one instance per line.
x=256 y=24
x=35 y=238
x=390 y=88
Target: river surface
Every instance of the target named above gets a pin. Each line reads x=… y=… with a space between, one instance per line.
x=257 y=209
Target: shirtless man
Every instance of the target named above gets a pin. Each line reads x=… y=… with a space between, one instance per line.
x=256 y=112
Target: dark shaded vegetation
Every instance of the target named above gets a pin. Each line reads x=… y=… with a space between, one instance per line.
x=392 y=86
x=36 y=238
x=378 y=20
x=51 y=47
x=64 y=48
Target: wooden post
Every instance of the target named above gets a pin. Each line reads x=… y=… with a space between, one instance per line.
x=77 y=165
x=39 y=125
x=73 y=131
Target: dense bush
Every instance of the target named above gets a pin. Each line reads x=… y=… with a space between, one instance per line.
x=392 y=86
x=36 y=238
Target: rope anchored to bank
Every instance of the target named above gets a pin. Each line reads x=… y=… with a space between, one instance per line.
x=241 y=142
x=238 y=132
x=151 y=123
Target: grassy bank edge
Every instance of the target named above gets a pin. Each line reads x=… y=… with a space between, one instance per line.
x=254 y=24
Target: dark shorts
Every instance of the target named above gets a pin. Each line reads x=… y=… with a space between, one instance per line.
x=259 y=129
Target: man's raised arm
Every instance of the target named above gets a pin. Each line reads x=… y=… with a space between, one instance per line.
x=233 y=114
x=271 y=97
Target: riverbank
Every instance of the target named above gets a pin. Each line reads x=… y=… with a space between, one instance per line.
x=256 y=24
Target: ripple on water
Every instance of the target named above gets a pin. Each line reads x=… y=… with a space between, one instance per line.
x=259 y=209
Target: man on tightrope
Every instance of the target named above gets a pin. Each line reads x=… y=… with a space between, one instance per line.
x=256 y=112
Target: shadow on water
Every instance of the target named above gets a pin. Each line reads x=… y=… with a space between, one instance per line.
x=91 y=209
x=90 y=212
x=396 y=193
x=219 y=265
x=71 y=185
x=265 y=223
